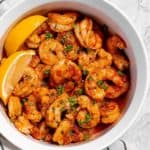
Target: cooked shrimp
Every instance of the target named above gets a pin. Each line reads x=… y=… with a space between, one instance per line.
x=30 y=110
x=97 y=87
x=23 y=125
x=51 y=51
x=40 y=34
x=61 y=22
x=14 y=107
x=53 y=115
x=63 y=129
x=43 y=71
x=66 y=70
x=41 y=132
x=33 y=41
x=115 y=44
x=45 y=97
x=34 y=61
x=28 y=82
x=70 y=43
x=85 y=34
x=89 y=115
x=42 y=28
x=110 y=112
x=120 y=61
x=95 y=60
x=85 y=59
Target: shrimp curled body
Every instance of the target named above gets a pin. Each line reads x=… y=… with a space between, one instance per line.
x=110 y=112
x=97 y=87
x=85 y=34
x=51 y=51
x=89 y=115
x=62 y=22
x=29 y=81
x=66 y=70
x=53 y=117
x=115 y=45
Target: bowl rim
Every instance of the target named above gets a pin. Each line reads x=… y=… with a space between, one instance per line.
x=9 y=134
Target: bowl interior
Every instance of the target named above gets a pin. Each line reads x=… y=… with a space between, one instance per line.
x=104 y=13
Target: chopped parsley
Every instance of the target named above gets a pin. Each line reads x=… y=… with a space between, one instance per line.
x=23 y=100
x=87 y=118
x=85 y=72
x=73 y=102
x=80 y=92
x=99 y=82
x=47 y=72
x=90 y=78
x=68 y=48
x=48 y=35
x=60 y=90
x=120 y=73
x=80 y=122
x=104 y=86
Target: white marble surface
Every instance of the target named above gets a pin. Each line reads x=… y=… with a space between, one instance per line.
x=138 y=136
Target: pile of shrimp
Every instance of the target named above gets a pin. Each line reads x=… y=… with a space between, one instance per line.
x=71 y=86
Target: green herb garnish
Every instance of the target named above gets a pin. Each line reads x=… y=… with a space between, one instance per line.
x=120 y=73
x=80 y=92
x=48 y=35
x=99 y=82
x=104 y=86
x=60 y=90
x=47 y=72
x=23 y=100
x=90 y=78
x=85 y=72
x=68 y=48
x=73 y=102
x=87 y=118
x=80 y=122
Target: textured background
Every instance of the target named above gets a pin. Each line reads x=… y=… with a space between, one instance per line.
x=138 y=136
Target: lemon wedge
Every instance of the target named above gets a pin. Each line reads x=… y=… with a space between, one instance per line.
x=11 y=71
x=21 y=31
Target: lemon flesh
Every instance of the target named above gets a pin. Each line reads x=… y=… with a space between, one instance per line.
x=11 y=71
x=21 y=31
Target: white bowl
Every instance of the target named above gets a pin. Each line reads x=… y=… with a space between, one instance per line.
x=104 y=12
